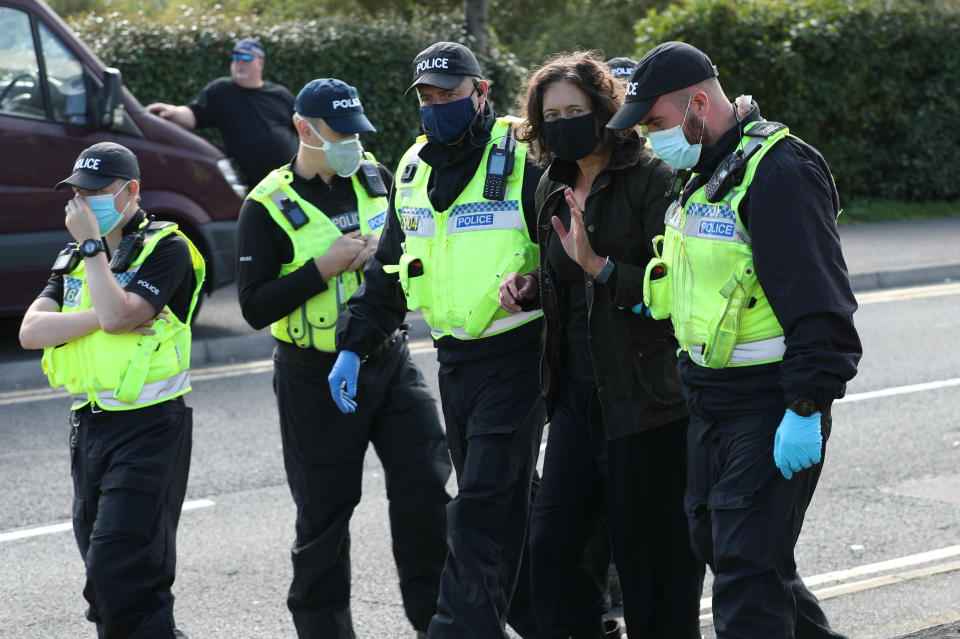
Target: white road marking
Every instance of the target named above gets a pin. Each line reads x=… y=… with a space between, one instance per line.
x=898 y=563
x=910 y=293
x=900 y=390
x=63 y=527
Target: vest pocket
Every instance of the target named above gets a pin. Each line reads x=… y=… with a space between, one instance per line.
x=657 y=290
x=413 y=280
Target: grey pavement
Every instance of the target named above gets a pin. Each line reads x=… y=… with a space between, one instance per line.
x=878 y=255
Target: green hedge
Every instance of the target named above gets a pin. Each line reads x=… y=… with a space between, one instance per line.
x=172 y=62
x=873 y=84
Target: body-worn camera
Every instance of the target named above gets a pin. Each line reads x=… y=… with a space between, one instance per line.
x=67 y=259
x=294 y=214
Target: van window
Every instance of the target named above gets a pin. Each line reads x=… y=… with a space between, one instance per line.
x=68 y=93
x=20 y=93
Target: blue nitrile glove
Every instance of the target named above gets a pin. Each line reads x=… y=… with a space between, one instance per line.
x=343 y=381
x=640 y=309
x=798 y=443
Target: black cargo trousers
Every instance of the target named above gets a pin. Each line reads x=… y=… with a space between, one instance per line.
x=494 y=415
x=745 y=518
x=323 y=451
x=129 y=479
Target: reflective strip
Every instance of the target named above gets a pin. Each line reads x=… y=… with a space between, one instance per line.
x=277 y=197
x=713 y=222
x=673 y=215
x=495 y=327
x=152 y=392
x=377 y=220
x=72 y=289
x=749 y=352
x=417 y=222
x=485 y=216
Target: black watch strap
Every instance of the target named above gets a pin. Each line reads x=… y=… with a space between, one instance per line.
x=90 y=247
x=803 y=406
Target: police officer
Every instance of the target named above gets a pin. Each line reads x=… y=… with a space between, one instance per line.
x=303 y=235
x=114 y=323
x=751 y=273
x=621 y=67
x=462 y=213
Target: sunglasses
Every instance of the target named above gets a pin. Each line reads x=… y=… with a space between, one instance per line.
x=246 y=57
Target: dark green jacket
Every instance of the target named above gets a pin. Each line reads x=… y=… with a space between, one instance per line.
x=634 y=356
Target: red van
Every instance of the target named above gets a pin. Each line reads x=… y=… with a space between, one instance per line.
x=56 y=99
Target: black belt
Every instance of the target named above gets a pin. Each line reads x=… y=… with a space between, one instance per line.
x=91 y=409
x=312 y=357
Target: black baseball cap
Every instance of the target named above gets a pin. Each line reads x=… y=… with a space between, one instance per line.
x=251 y=46
x=336 y=102
x=666 y=68
x=99 y=165
x=621 y=68
x=444 y=65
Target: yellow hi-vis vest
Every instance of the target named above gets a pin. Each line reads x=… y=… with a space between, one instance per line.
x=123 y=372
x=709 y=288
x=314 y=323
x=466 y=250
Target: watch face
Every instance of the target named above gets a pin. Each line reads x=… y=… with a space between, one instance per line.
x=90 y=247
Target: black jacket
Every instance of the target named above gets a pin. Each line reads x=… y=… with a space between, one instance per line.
x=634 y=357
x=790 y=211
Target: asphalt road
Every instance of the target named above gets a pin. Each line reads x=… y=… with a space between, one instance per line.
x=889 y=496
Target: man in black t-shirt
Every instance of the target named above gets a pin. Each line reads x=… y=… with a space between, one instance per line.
x=116 y=334
x=253 y=116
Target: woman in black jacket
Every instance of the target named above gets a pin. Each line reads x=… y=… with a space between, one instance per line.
x=616 y=449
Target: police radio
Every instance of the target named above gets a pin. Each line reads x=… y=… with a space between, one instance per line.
x=730 y=171
x=372 y=180
x=499 y=167
x=129 y=248
x=294 y=214
x=67 y=260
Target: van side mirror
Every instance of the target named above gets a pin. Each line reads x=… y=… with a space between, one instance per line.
x=111 y=99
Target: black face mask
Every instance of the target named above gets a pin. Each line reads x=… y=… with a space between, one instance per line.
x=572 y=138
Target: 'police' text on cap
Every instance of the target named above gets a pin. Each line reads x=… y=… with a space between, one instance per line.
x=99 y=165
x=621 y=68
x=444 y=65
x=336 y=102
x=666 y=68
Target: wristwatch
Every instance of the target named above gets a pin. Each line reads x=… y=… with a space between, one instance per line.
x=89 y=248
x=605 y=272
x=803 y=406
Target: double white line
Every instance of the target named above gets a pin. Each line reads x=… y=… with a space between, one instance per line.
x=898 y=571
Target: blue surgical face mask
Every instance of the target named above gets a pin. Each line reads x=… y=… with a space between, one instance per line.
x=448 y=121
x=106 y=211
x=672 y=146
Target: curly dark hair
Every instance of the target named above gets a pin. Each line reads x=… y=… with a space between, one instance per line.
x=591 y=75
